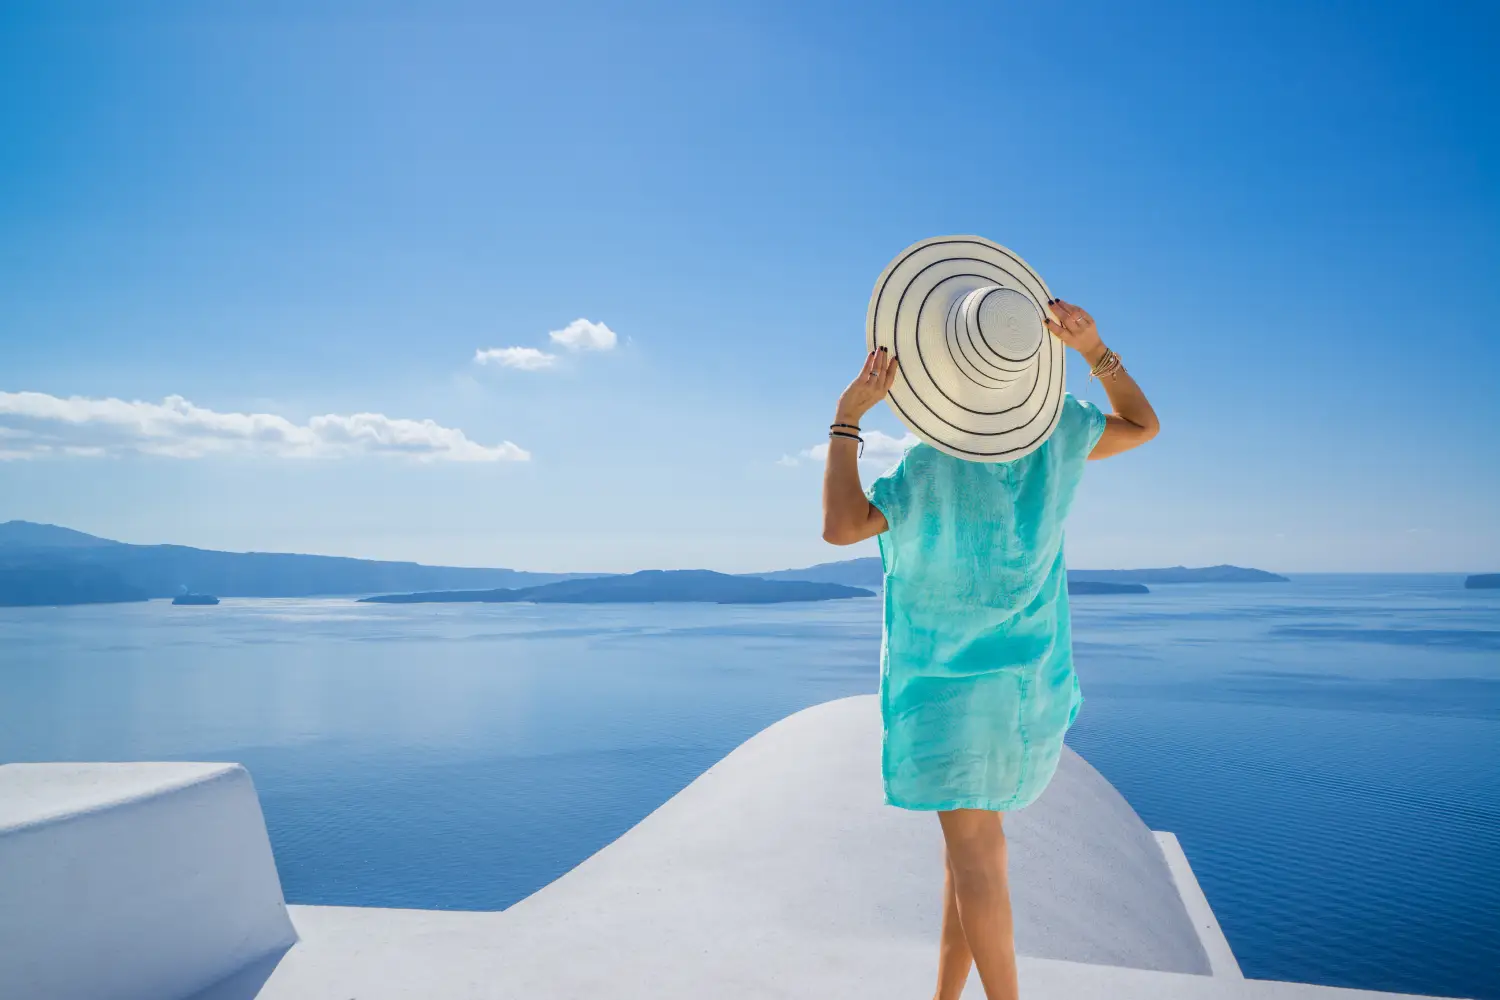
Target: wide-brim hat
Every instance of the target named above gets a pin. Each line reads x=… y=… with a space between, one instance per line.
x=979 y=376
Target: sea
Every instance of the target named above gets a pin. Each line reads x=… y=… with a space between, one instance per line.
x=1327 y=750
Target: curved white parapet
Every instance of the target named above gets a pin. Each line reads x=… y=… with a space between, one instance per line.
x=135 y=882
x=787 y=845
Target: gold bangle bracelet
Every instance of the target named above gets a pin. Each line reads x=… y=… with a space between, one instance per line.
x=1109 y=366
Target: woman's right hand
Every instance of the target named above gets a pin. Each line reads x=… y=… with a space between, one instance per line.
x=868 y=388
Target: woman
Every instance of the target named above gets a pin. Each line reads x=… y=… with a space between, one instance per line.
x=977 y=682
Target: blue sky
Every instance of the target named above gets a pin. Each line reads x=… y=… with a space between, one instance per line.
x=1285 y=216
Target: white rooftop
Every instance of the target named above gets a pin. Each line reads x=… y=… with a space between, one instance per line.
x=780 y=872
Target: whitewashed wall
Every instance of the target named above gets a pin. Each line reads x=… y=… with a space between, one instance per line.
x=133 y=881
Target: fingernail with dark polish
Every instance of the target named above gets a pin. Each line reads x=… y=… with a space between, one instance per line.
x=883 y=350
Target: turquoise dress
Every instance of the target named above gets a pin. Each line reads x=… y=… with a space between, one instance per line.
x=976 y=661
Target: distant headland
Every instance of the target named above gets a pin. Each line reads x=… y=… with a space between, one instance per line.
x=647 y=586
x=47 y=564
x=36 y=583
x=1483 y=581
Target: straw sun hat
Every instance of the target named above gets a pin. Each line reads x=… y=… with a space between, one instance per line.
x=980 y=377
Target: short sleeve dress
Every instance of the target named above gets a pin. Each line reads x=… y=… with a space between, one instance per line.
x=977 y=687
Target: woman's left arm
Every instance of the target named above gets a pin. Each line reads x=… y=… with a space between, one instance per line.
x=1133 y=421
x=848 y=516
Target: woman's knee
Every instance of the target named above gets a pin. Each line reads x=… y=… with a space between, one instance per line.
x=975 y=840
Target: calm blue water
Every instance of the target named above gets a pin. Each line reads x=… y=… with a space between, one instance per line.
x=1326 y=750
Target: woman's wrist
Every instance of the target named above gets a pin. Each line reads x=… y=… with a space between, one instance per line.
x=1094 y=354
x=844 y=415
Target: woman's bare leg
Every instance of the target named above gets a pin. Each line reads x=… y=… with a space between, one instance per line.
x=954 y=958
x=977 y=866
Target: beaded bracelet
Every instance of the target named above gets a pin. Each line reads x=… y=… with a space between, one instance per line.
x=852 y=437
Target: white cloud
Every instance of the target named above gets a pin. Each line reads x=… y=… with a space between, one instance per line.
x=527 y=359
x=35 y=425
x=581 y=335
x=880 y=449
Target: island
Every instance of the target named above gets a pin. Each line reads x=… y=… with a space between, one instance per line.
x=866 y=571
x=646 y=587
x=1101 y=587
x=1177 y=574
x=50 y=564
x=1483 y=581
x=194 y=600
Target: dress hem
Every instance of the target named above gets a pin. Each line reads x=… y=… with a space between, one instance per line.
x=992 y=805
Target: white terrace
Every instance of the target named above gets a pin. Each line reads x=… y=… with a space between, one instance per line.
x=778 y=873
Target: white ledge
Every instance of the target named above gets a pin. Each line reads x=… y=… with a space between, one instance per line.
x=134 y=881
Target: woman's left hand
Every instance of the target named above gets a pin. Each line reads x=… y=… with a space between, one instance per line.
x=868 y=388
x=1074 y=327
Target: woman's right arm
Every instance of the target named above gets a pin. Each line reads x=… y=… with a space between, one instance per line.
x=849 y=517
x=1133 y=421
